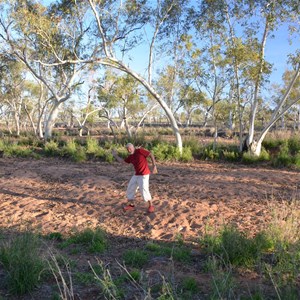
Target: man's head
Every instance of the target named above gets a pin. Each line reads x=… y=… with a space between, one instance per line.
x=130 y=148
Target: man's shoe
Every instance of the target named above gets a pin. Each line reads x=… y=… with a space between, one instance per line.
x=129 y=207
x=151 y=209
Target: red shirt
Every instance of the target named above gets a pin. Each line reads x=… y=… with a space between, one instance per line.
x=139 y=161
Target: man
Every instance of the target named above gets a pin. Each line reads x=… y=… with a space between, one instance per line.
x=138 y=157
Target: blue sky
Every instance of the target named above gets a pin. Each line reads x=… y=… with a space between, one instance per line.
x=277 y=51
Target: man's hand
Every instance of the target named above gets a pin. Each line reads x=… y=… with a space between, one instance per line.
x=154 y=171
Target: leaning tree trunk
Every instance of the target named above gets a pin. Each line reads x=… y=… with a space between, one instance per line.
x=255 y=146
x=163 y=104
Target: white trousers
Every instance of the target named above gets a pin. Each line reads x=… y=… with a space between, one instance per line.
x=140 y=182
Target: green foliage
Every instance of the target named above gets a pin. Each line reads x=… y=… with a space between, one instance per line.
x=104 y=155
x=51 y=148
x=294 y=145
x=248 y=158
x=22 y=260
x=286 y=151
x=222 y=283
x=84 y=278
x=178 y=253
x=283 y=159
x=107 y=284
x=94 y=240
x=285 y=154
x=210 y=154
x=92 y=146
x=135 y=258
x=286 y=269
x=235 y=248
x=297 y=160
x=70 y=148
x=271 y=143
x=187 y=154
x=12 y=149
x=190 y=284
x=54 y=236
x=74 y=151
x=163 y=152
x=194 y=145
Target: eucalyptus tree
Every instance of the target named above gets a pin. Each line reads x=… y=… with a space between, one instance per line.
x=213 y=78
x=115 y=30
x=249 y=25
x=125 y=26
x=12 y=89
x=125 y=95
x=38 y=36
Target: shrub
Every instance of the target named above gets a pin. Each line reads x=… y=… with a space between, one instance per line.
x=186 y=154
x=209 y=153
x=249 y=158
x=51 y=148
x=235 y=248
x=294 y=145
x=73 y=151
x=297 y=160
x=189 y=284
x=135 y=258
x=92 y=146
x=193 y=144
x=231 y=155
x=23 y=263
x=166 y=152
x=104 y=155
x=14 y=150
x=284 y=158
x=94 y=240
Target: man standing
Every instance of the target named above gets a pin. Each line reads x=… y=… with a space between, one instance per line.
x=138 y=157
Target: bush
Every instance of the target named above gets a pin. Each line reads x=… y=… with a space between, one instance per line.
x=22 y=261
x=209 y=153
x=135 y=258
x=294 y=145
x=297 y=160
x=14 y=150
x=235 y=248
x=94 y=240
x=73 y=151
x=284 y=158
x=51 y=148
x=231 y=155
x=186 y=154
x=92 y=146
x=249 y=158
x=166 y=152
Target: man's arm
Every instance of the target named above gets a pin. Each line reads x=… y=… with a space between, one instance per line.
x=117 y=157
x=154 y=170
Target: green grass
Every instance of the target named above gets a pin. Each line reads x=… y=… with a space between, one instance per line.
x=23 y=263
x=93 y=240
x=176 y=252
x=276 y=152
x=135 y=258
x=235 y=248
x=223 y=254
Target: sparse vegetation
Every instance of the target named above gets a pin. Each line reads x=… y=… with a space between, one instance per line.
x=153 y=269
x=25 y=255
x=277 y=153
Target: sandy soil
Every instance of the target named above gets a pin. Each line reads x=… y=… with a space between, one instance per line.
x=58 y=195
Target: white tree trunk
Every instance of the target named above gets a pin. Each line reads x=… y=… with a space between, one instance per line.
x=255 y=146
x=51 y=120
